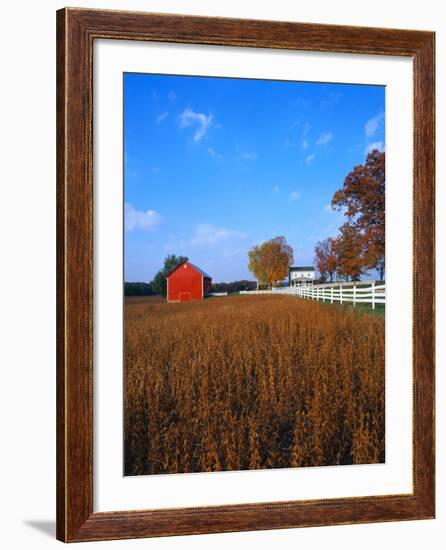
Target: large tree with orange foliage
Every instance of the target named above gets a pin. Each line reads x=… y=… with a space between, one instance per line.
x=348 y=248
x=363 y=197
x=269 y=262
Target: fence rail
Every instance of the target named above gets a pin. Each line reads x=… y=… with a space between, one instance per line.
x=360 y=293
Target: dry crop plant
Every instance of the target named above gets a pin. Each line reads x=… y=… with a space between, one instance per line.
x=251 y=382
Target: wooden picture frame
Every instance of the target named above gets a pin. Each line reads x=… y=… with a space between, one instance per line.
x=76 y=31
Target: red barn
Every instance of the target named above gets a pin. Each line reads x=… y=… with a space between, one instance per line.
x=187 y=282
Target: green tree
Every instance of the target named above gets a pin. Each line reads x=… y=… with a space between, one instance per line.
x=159 y=283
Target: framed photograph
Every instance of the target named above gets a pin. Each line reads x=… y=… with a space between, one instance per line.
x=245 y=275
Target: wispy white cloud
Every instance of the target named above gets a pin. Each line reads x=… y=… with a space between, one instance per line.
x=332 y=99
x=161 y=117
x=276 y=189
x=375 y=145
x=214 y=153
x=206 y=233
x=305 y=145
x=138 y=219
x=200 y=120
x=324 y=138
x=372 y=125
x=245 y=155
x=233 y=253
x=294 y=196
x=310 y=158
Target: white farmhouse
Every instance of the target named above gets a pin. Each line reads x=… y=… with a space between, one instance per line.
x=301 y=276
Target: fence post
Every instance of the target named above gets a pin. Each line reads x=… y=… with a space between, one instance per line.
x=354 y=295
x=373 y=295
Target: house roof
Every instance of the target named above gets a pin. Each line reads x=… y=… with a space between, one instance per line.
x=192 y=265
x=309 y=268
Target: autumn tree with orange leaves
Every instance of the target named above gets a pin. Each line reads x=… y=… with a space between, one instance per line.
x=363 y=197
x=348 y=248
x=269 y=262
x=325 y=259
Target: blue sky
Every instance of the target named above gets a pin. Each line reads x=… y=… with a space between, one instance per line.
x=213 y=166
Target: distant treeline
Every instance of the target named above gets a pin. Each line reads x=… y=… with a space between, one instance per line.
x=235 y=286
x=147 y=289
x=138 y=289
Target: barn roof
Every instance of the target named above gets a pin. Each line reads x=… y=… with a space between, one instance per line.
x=200 y=270
x=176 y=267
x=192 y=265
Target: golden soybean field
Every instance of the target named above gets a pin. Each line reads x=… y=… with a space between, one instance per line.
x=250 y=382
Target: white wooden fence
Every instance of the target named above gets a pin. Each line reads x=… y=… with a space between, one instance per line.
x=359 y=293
